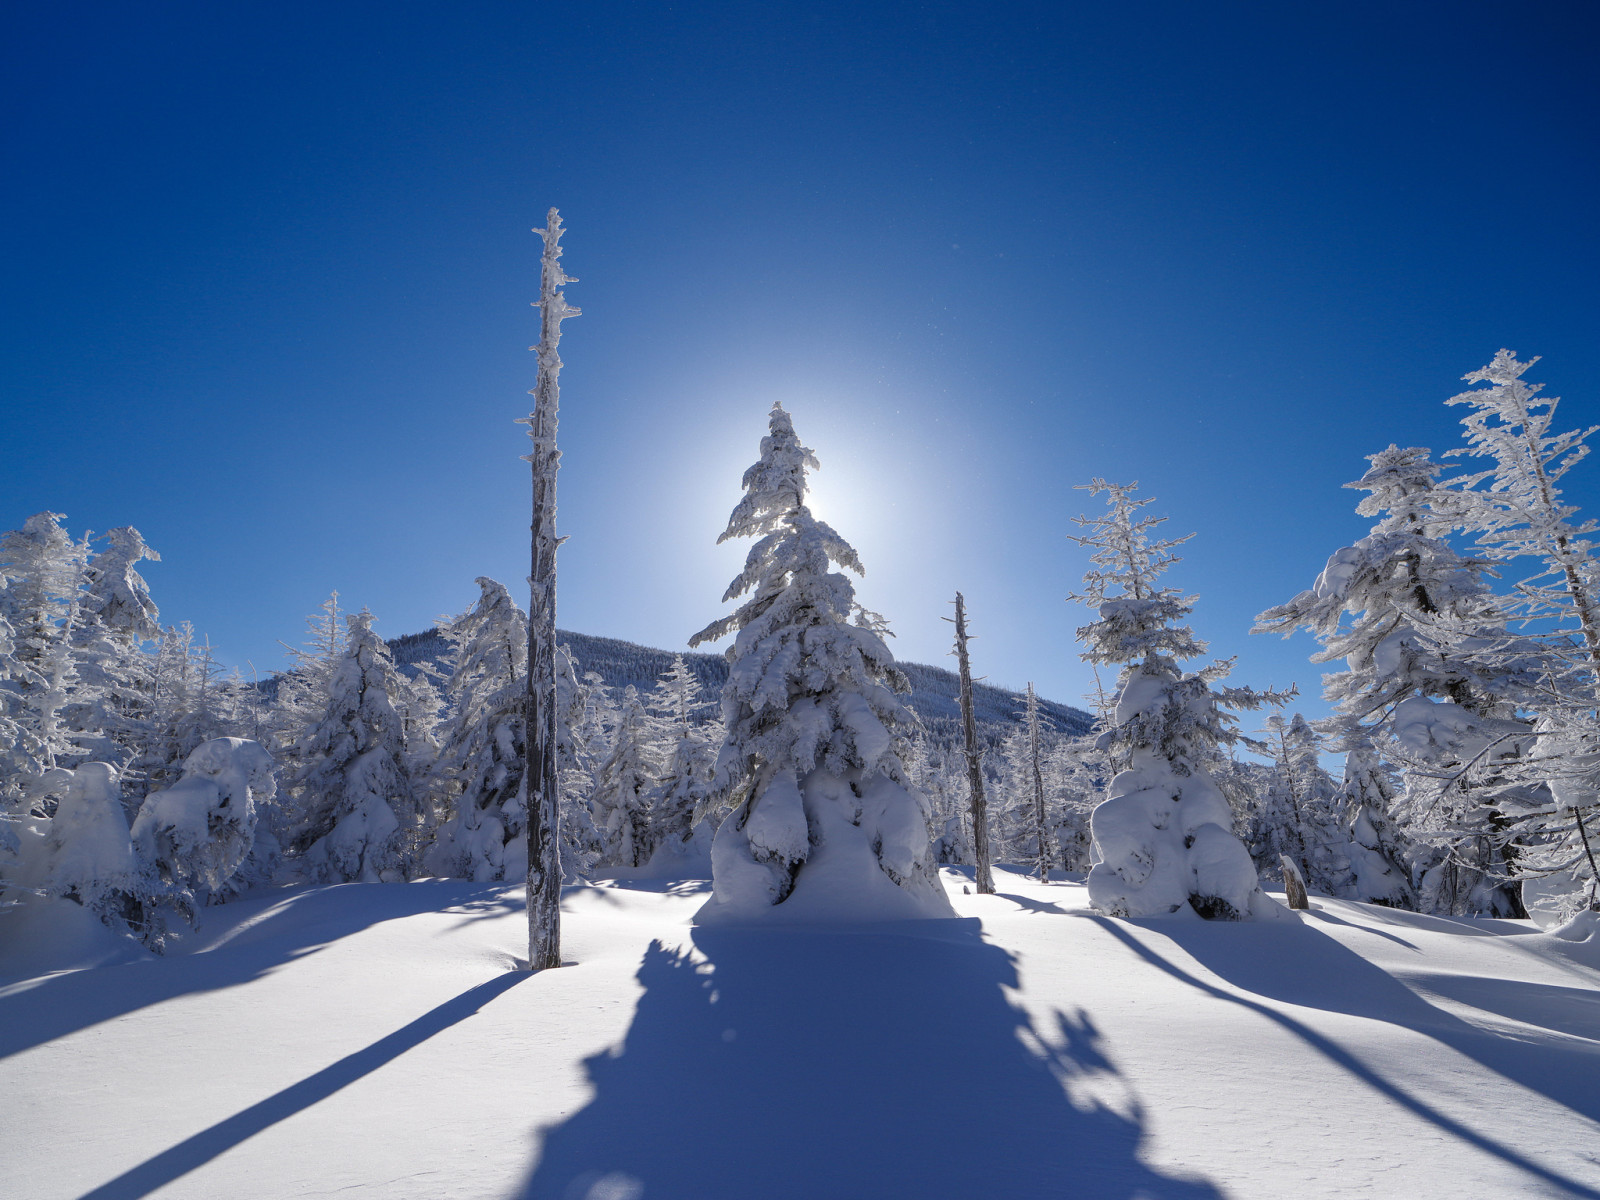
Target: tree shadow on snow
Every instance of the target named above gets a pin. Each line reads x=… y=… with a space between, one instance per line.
x=265 y=934
x=1292 y=963
x=193 y=1152
x=877 y=1061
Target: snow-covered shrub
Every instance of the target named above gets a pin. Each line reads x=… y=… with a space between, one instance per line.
x=825 y=819
x=196 y=833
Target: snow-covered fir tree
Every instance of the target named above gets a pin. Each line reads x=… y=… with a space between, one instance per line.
x=681 y=802
x=360 y=814
x=116 y=676
x=1300 y=814
x=620 y=805
x=1516 y=510
x=483 y=751
x=43 y=568
x=1076 y=773
x=1378 y=850
x=1163 y=835
x=90 y=857
x=825 y=820
x=197 y=833
x=1431 y=671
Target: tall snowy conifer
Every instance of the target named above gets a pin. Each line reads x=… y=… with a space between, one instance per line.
x=683 y=793
x=542 y=777
x=1515 y=507
x=1163 y=838
x=621 y=803
x=1429 y=671
x=484 y=750
x=825 y=822
x=359 y=807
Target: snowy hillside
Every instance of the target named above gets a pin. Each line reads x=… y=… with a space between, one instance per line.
x=933 y=689
x=377 y=1040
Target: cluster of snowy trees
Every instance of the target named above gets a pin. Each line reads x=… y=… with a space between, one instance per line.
x=1466 y=714
x=138 y=781
x=141 y=783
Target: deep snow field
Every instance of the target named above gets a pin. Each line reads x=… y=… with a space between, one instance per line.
x=378 y=1041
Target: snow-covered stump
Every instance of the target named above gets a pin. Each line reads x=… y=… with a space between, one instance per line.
x=827 y=824
x=1294 y=884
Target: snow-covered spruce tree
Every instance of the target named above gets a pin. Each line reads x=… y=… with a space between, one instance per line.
x=580 y=841
x=930 y=764
x=188 y=705
x=681 y=800
x=1430 y=670
x=1379 y=853
x=116 y=676
x=197 y=833
x=1300 y=815
x=1163 y=835
x=43 y=569
x=620 y=805
x=358 y=806
x=825 y=821
x=1075 y=775
x=90 y=857
x=1515 y=508
x=483 y=750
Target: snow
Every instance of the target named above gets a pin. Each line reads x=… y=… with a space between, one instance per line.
x=376 y=1040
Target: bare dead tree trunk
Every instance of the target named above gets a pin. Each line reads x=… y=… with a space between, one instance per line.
x=984 y=872
x=541 y=777
x=1039 y=826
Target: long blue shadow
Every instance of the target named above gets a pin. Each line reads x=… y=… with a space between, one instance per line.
x=873 y=1062
x=303 y=923
x=196 y=1151
x=1299 y=965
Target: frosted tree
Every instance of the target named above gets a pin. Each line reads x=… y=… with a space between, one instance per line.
x=116 y=617
x=930 y=765
x=358 y=806
x=43 y=569
x=483 y=751
x=1076 y=772
x=187 y=705
x=1378 y=850
x=542 y=776
x=90 y=856
x=620 y=805
x=1300 y=815
x=1430 y=671
x=682 y=798
x=1163 y=837
x=1515 y=508
x=196 y=834
x=824 y=820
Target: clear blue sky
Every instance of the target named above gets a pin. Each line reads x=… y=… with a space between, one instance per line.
x=267 y=272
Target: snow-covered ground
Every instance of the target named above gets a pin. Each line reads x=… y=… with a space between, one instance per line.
x=377 y=1040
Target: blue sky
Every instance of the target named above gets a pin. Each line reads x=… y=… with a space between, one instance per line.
x=268 y=271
